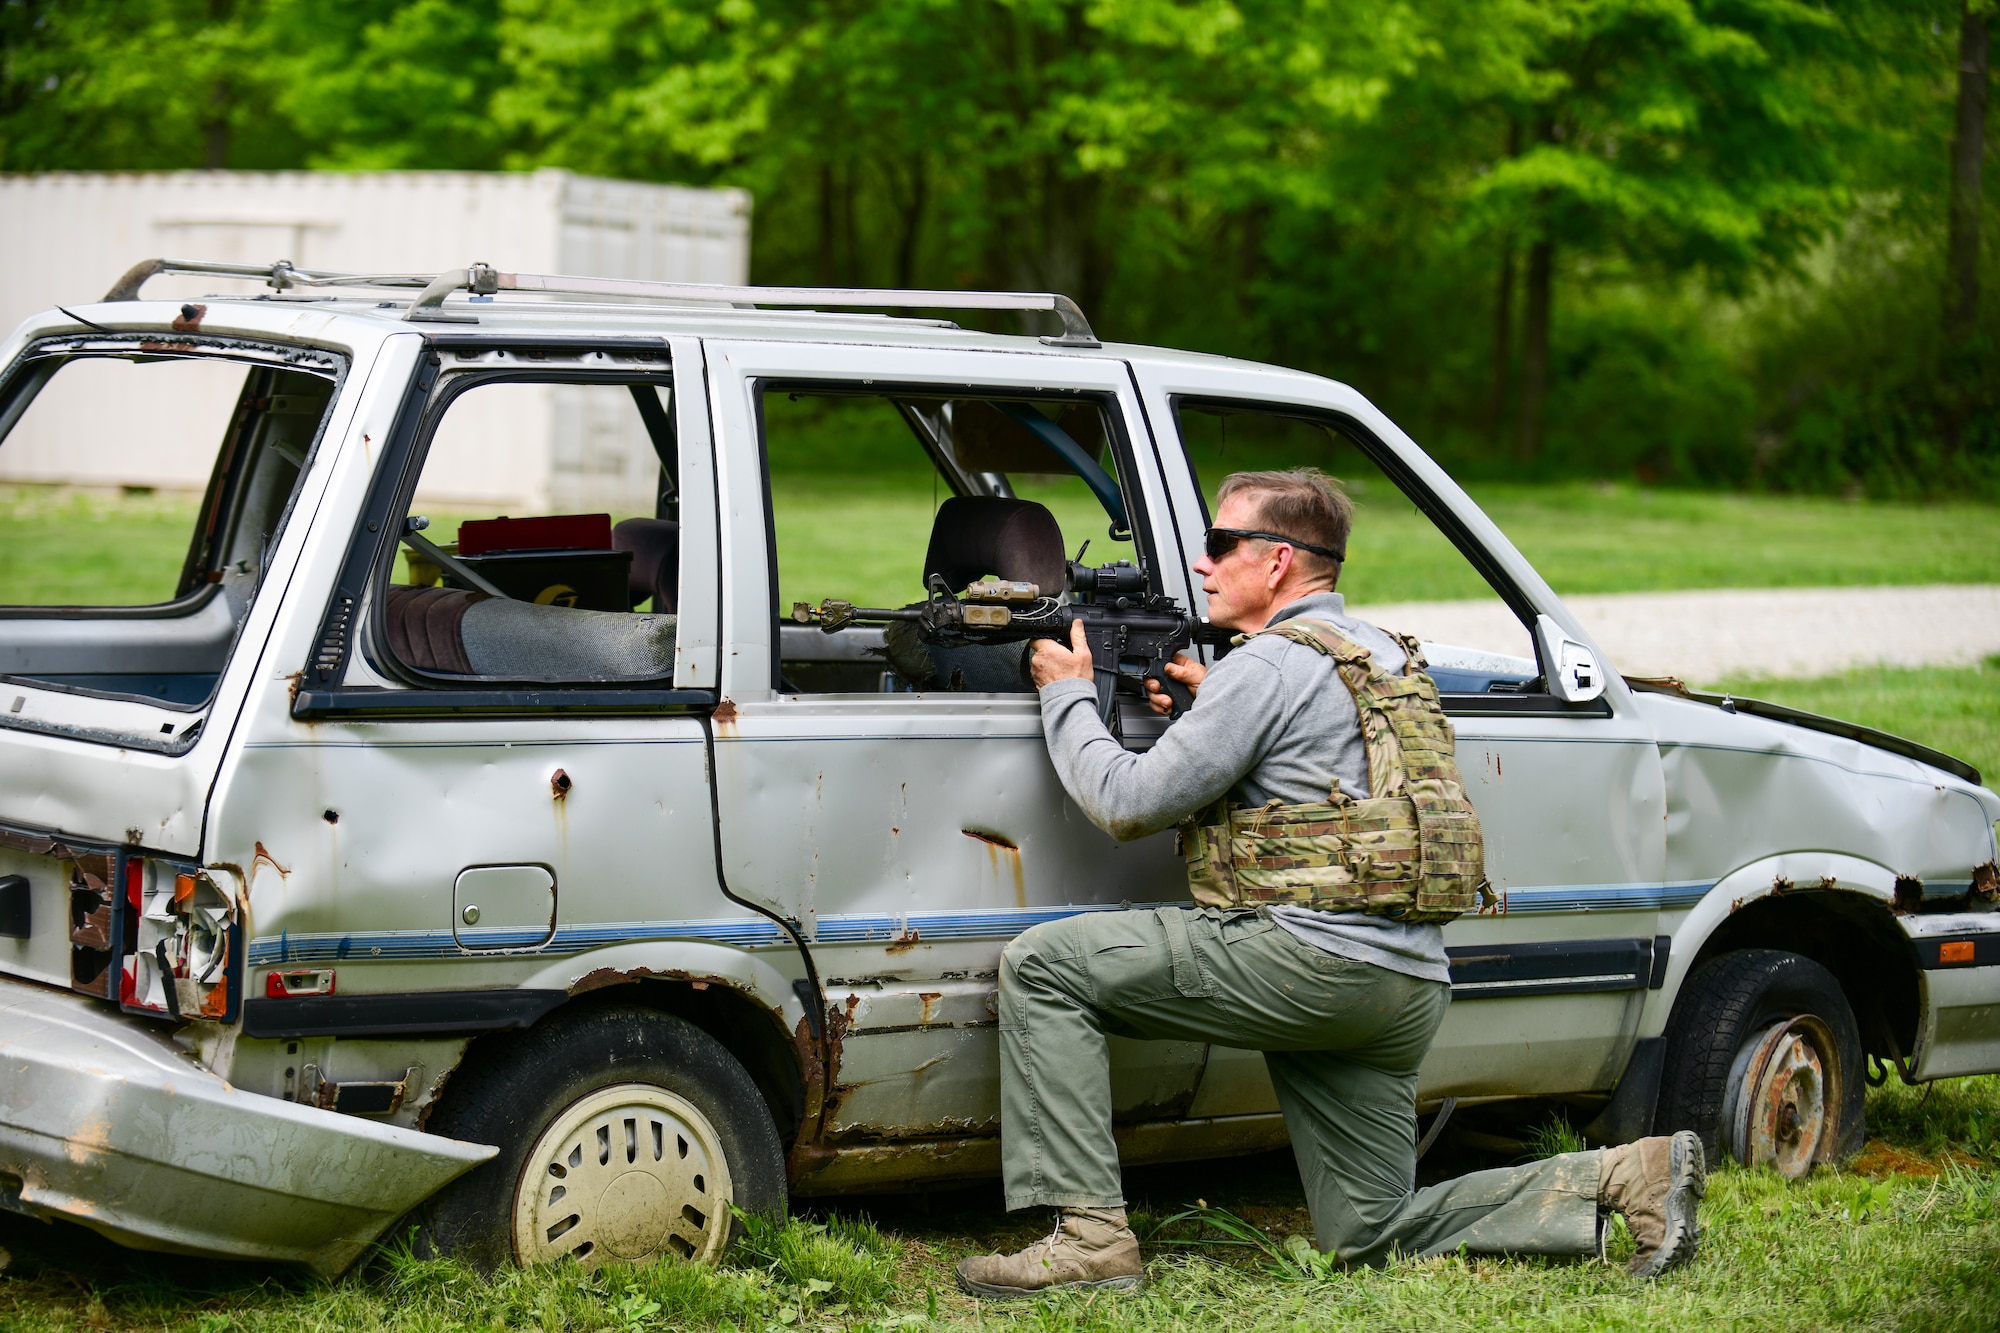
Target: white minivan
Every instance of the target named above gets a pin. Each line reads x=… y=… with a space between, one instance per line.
x=554 y=873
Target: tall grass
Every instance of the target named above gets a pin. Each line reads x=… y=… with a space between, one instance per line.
x=1954 y=709
x=1906 y=1237
x=863 y=538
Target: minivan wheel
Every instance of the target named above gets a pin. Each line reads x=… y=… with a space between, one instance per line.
x=1763 y=1062
x=632 y=1171
x=625 y=1135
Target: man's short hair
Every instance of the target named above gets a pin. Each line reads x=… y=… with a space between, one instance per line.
x=1300 y=502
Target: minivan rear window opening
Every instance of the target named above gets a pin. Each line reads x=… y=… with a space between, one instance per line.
x=166 y=573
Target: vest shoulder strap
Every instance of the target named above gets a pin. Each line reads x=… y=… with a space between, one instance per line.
x=1325 y=638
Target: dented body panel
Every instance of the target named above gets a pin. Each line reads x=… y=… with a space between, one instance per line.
x=823 y=881
x=107 y=1122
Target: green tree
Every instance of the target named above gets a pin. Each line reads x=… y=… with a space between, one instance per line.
x=1968 y=151
x=1702 y=235
x=137 y=84
x=1678 y=136
x=374 y=84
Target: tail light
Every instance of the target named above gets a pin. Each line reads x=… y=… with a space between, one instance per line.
x=183 y=947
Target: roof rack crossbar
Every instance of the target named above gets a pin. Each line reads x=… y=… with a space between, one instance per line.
x=280 y=275
x=484 y=280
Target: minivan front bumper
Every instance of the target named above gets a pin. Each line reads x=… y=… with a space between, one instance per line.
x=106 y=1122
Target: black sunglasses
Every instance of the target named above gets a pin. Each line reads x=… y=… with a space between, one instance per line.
x=1221 y=541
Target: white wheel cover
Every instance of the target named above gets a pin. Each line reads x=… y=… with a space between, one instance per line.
x=627 y=1174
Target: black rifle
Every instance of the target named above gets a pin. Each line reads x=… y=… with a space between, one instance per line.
x=1132 y=633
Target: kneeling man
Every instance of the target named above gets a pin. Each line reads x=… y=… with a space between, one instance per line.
x=1328 y=838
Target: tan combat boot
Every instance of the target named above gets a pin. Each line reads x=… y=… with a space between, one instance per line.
x=1654 y=1184
x=1090 y=1248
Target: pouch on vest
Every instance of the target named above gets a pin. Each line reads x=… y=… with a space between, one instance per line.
x=1411 y=850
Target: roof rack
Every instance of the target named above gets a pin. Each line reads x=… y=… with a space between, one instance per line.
x=484 y=280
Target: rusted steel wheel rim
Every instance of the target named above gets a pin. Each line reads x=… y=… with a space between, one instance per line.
x=1788 y=1098
x=626 y=1174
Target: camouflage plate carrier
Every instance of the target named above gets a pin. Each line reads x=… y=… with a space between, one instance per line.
x=1411 y=850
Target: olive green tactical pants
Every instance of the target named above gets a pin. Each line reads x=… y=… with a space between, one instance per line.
x=1343 y=1041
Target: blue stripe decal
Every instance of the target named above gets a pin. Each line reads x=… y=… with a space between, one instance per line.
x=762 y=933
x=1604 y=897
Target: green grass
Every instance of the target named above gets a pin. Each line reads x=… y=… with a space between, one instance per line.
x=1602 y=538
x=863 y=538
x=865 y=541
x=1954 y=709
x=1907 y=1236
x=92 y=548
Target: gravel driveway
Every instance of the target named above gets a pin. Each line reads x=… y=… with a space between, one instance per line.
x=1705 y=635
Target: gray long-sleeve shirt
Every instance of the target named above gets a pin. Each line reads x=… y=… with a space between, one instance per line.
x=1273 y=721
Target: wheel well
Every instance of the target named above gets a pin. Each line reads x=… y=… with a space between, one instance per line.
x=755 y=1035
x=1855 y=938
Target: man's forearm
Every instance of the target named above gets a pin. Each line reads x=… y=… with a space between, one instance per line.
x=1131 y=795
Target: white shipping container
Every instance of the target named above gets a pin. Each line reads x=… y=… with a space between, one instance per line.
x=66 y=237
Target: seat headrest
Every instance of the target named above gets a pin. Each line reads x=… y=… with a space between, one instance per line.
x=655 y=544
x=977 y=535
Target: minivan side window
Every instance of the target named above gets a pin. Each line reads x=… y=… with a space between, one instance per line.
x=144 y=485
x=1402 y=573
x=540 y=539
x=874 y=495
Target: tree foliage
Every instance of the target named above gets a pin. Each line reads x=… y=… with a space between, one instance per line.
x=1691 y=239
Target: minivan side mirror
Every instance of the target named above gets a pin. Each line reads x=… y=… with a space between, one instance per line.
x=1573 y=672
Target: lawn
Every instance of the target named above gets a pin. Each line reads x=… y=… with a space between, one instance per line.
x=1954 y=709
x=864 y=538
x=92 y=548
x=863 y=541
x=1907 y=1236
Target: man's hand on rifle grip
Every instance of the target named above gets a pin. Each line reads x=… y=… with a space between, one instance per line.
x=1051 y=661
x=1183 y=669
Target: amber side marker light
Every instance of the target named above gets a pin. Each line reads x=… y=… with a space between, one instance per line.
x=1955 y=951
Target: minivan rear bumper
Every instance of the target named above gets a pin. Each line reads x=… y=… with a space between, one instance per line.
x=106 y=1122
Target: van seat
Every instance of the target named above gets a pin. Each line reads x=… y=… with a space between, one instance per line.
x=470 y=634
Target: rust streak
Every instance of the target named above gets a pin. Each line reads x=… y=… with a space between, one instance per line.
x=819 y=1065
x=812 y=1074
x=599 y=978
x=267 y=859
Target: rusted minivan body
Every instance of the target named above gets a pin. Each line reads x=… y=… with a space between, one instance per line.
x=295 y=862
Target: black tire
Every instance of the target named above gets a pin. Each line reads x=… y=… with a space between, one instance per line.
x=1725 y=1006
x=513 y=1089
